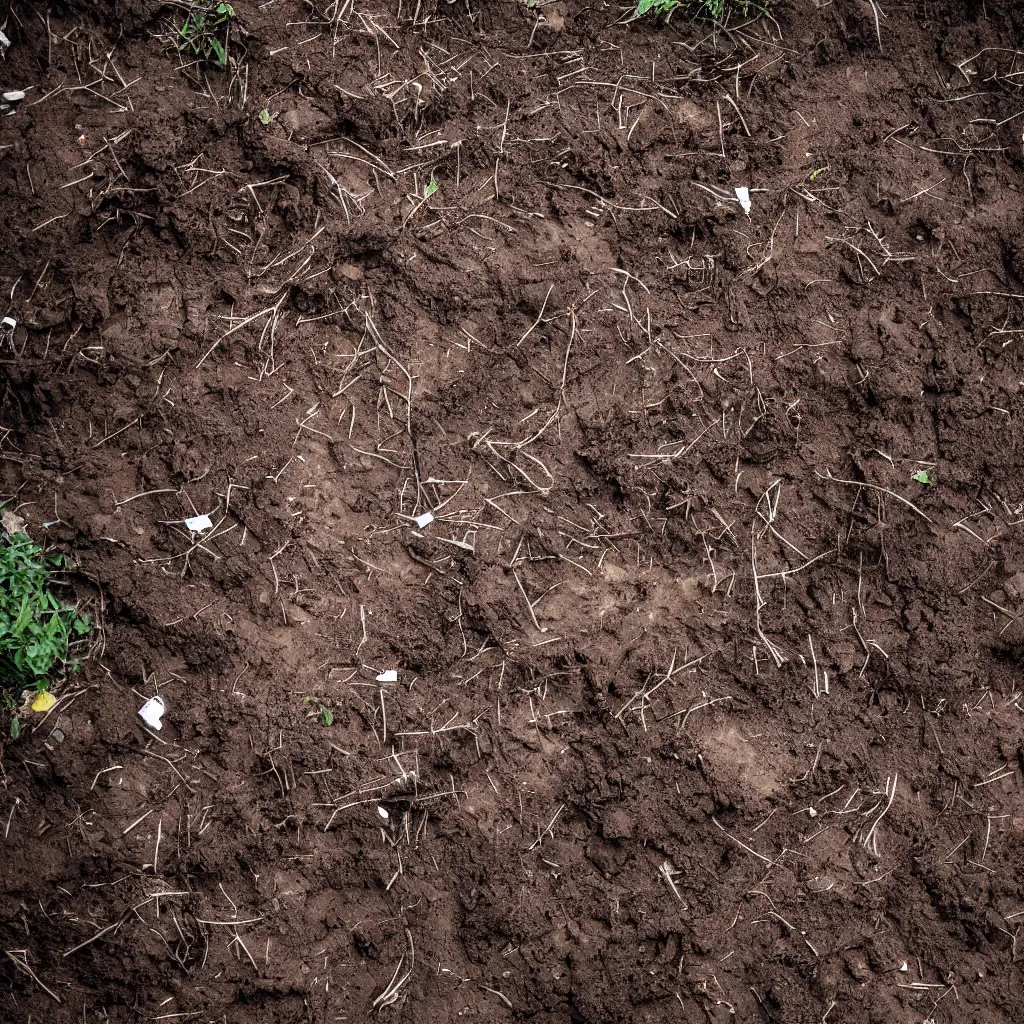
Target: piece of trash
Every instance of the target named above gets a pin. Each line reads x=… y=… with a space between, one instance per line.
x=8 y=323
x=903 y=967
x=12 y=522
x=811 y=812
x=152 y=711
x=197 y=524
x=44 y=702
x=743 y=198
x=389 y=675
x=14 y=96
x=383 y=813
x=5 y=43
x=424 y=520
x=57 y=735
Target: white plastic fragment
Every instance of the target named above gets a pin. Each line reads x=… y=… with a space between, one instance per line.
x=812 y=812
x=743 y=198
x=197 y=524
x=5 y=43
x=8 y=323
x=903 y=967
x=382 y=811
x=424 y=520
x=389 y=675
x=14 y=96
x=152 y=712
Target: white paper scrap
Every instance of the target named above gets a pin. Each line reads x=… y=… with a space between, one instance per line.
x=383 y=813
x=424 y=520
x=152 y=712
x=8 y=323
x=389 y=675
x=14 y=96
x=197 y=524
x=743 y=198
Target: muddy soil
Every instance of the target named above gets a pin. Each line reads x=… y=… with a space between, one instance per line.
x=699 y=697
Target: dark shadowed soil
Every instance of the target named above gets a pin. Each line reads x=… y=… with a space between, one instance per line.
x=707 y=701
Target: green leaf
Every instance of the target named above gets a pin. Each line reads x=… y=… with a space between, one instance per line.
x=15 y=728
x=218 y=48
x=226 y=9
x=663 y=6
x=922 y=476
x=265 y=116
x=326 y=716
x=430 y=189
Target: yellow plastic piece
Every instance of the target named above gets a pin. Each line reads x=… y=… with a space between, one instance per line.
x=44 y=701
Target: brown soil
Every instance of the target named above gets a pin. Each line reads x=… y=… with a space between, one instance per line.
x=705 y=710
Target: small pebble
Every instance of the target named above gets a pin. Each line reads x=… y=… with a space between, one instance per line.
x=14 y=96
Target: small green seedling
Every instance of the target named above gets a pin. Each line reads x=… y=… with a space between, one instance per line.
x=319 y=710
x=35 y=627
x=205 y=31
x=818 y=172
x=430 y=189
x=266 y=116
x=922 y=476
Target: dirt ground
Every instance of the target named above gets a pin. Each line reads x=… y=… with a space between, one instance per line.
x=706 y=700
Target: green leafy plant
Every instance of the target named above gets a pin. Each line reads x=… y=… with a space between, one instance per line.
x=35 y=627
x=205 y=31
x=319 y=710
x=716 y=10
x=922 y=476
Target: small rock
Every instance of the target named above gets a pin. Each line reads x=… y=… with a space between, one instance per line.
x=13 y=523
x=1014 y=587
